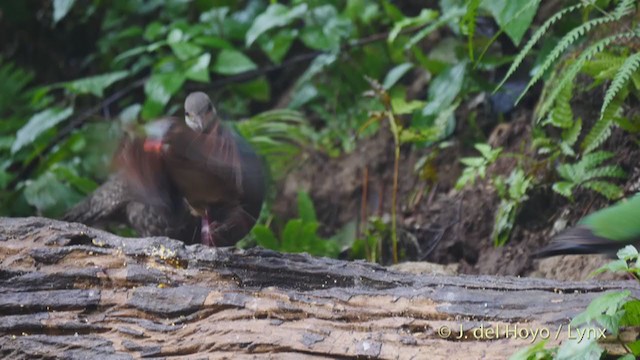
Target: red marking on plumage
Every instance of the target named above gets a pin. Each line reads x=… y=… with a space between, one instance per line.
x=152 y=146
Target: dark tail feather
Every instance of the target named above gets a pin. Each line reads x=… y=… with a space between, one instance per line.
x=580 y=240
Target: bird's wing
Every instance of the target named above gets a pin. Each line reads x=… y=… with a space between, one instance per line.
x=145 y=172
x=212 y=154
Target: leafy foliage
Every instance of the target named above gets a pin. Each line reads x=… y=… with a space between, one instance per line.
x=512 y=192
x=298 y=235
x=611 y=311
x=589 y=174
x=312 y=62
x=477 y=166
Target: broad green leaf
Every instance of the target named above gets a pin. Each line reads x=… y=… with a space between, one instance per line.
x=49 y=195
x=573 y=349
x=265 y=237
x=531 y=352
x=607 y=304
x=395 y=74
x=83 y=184
x=631 y=315
x=613 y=266
x=130 y=53
x=159 y=89
x=425 y=16
x=95 y=84
x=130 y=114
x=513 y=16
x=277 y=46
x=444 y=89
x=325 y=28
x=153 y=31
x=61 y=8
x=401 y=106
x=231 y=62
x=213 y=42
x=291 y=236
x=199 y=69
x=38 y=124
x=635 y=349
x=629 y=252
x=275 y=15
x=185 y=51
x=305 y=93
x=175 y=35
x=305 y=207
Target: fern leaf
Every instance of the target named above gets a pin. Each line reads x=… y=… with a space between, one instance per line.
x=598 y=134
x=564 y=188
x=601 y=63
x=623 y=75
x=470 y=20
x=562 y=114
x=609 y=171
x=534 y=39
x=573 y=70
x=605 y=188
x=625 y=7
x=592 y=160
x=563 y=45
x=567 y=172
x=570 y=136
x=441 y=21
x=602 y=128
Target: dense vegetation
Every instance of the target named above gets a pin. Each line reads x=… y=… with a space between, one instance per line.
x=309 y=77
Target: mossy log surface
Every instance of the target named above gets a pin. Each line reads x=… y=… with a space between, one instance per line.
x=71 y=291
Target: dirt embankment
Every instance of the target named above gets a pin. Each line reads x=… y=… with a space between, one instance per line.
x=442 y=225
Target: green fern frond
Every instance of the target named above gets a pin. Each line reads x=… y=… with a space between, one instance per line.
x=592 y=160
x=441 y=21
x=564 y=188
x=601 y=130
x=568 y=172
x=598 y=134
x=562 y=46
x=572 y=71
x=278 y=135
x=623 y=75
x=607 y=189
x=624 y=8
x=602 y=62
x=609 y=171
x=534 y=39
x=470 y=20
x=569 y=138
x=562 y=114
x=621 y=10
x=13 y=85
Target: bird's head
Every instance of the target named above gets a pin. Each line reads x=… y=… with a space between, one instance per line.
x=199 y=111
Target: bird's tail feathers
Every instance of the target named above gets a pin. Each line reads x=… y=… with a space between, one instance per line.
x=580 y=240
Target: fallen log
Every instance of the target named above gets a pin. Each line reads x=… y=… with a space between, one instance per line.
x=71 y=291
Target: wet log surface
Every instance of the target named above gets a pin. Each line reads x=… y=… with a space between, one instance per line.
x=70 y=291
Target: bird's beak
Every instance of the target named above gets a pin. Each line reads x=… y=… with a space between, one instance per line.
x=194 y=122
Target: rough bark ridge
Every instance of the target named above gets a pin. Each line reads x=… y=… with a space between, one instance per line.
x=70 y=291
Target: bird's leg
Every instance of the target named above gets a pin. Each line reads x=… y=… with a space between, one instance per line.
x=206 y=233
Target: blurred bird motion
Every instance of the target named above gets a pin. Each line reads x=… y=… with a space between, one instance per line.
x=605 y=231
x=176 y=171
